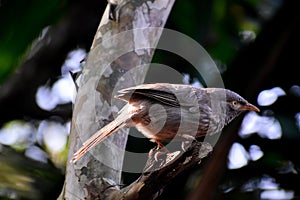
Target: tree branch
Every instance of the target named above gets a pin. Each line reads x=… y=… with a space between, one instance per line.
x=159 y=174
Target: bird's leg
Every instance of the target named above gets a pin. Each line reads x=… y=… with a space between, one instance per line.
x=159 y=151
x=112 y=9
x=159 y=145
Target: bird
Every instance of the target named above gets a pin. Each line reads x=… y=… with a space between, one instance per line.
x=164 y=112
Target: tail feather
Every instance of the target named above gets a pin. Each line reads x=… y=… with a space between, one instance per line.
x=98 y=137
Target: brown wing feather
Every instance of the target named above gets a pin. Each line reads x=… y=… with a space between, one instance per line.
x=170 y=94
x=157 y=92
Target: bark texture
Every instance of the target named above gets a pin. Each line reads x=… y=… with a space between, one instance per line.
x=121 y=51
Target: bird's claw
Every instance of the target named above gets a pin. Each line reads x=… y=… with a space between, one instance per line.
x=158 y=153
x=186 y=144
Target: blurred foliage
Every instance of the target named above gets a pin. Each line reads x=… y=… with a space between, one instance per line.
x=23 y=178
x=216 y=24
x=221 y=27
x=21 y=22
x=225 y=28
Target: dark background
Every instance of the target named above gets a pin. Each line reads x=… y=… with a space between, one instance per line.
x=267 y=59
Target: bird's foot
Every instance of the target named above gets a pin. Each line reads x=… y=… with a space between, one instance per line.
x=158 y=153
x=186 y=144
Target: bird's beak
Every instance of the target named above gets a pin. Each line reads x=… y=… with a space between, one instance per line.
x=249 y=106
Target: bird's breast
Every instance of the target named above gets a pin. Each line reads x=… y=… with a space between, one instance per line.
x=163 y=122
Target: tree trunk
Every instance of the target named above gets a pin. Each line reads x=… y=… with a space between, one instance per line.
x=122 y=49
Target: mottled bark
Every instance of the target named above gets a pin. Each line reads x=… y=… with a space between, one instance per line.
x=119 y=56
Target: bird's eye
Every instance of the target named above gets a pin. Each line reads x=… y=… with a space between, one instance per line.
x=235 y=103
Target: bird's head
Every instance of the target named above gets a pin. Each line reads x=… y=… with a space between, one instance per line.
x=233 y=103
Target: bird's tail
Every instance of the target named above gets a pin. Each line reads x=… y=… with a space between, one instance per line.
x=99 y=136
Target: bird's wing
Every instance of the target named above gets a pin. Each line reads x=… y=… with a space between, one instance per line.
x=156 y=92
x=170 y=94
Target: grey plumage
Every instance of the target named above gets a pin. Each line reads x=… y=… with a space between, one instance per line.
x=162 y=112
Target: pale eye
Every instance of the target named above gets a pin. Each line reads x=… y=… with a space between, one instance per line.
x=235 y=104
